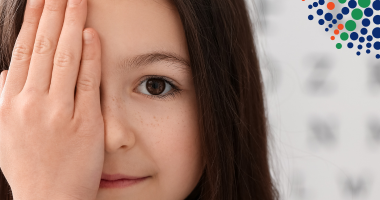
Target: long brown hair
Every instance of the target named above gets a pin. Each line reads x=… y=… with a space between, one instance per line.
x=229 y=91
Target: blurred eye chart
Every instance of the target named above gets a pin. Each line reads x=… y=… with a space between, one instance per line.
x=321 y=72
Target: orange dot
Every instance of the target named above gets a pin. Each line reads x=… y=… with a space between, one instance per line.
x=340 y=26
x=332 y=38
x=336 y=32
x=331 y=6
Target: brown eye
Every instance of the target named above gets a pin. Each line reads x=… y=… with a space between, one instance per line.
x=158 y=87
x=155 y=86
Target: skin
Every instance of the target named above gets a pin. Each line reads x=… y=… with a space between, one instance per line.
x=146 y=136
x=111 y=124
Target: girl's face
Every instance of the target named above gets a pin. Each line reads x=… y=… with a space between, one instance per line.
x=146 y=135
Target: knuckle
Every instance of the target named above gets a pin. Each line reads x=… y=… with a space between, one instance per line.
x=43 y=45
x=28 y=108
x=63 y=110
x=20 y=52
x=52 y=5
x=59 y=114
x=86 y=83
x=30 y=92
x=84 y=125
x=30 y=22
x=71 y=20
x=71 y=17
x=63 y=58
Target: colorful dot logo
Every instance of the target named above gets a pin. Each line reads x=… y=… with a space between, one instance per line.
x=356 y=23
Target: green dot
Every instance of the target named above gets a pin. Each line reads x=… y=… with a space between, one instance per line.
x=364 y=3
x=344 y=36
x=350 y=25
x=339 y=46
x=342 y=1
x=357 y=14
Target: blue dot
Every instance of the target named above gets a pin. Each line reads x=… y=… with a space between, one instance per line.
x=310 y=6
x=334 y=21
x=377 y=56
x=376 y=32
x=376 y=5
x=354 y=36
x=376 y=19
x=315 y=4
x=321 y=2
x=345 y=10
x=350 y=45
x=368 y=51
x=328 y=16
x=339 y=16
x=320 y=12
x=363 y=31
x=368 y=45
x=368 y=12
x=360 y=46
x=376 y=45
x=311 y=17
x=358 y=53
x=361 y=39
x=366 y=22
x=326 y=29
x=330 y=25
x=351 y=4
x=321 y=21
x=369 y=38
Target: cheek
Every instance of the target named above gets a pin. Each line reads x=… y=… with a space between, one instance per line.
x=171 y=138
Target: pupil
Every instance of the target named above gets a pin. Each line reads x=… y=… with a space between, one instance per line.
x=155 y=86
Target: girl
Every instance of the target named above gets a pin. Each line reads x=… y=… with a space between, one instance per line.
x=131 y=99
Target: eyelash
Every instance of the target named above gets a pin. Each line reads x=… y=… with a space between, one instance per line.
x=176 y=91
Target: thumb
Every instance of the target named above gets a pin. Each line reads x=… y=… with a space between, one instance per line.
x=87 y=97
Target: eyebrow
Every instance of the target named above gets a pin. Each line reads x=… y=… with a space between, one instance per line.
x=138 y=61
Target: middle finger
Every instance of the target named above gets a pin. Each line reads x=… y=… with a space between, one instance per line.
x=49 y=29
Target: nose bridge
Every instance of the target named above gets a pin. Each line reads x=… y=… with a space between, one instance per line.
x=118 y=133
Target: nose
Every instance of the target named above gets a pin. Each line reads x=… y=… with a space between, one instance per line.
x=118 y=134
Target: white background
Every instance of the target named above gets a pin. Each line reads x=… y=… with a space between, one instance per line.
x=323 y=105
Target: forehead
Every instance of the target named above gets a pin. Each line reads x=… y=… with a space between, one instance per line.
x=131 y=27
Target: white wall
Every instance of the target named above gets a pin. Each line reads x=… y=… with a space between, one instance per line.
x=323 y=106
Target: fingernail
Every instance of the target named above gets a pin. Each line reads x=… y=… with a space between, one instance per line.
x=87 y=37
x=74 y=2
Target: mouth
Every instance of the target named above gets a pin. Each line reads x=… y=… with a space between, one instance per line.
x=119 y=181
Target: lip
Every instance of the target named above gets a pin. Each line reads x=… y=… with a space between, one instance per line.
x=119 y=180
x=121 y=183
x=114 y=177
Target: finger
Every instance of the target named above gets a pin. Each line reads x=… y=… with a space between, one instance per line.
x=46 y=41
x=3 y=77
x=22 y=51
x=87 y=97
x=68 y=54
